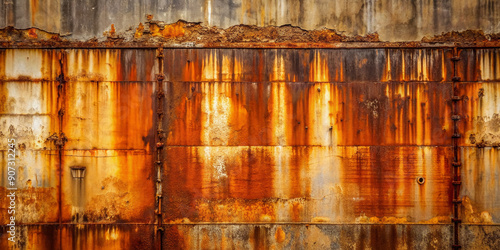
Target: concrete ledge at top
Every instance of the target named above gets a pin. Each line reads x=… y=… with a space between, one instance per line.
x=393 y=21
x=182 y=34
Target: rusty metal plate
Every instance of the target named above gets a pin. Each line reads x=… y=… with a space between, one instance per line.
x=109 y=115
x=88 y=236
x=32 y=64
x=117 y=186
x=300 y=236
x=37 y=182
x=480 y=109
x=110 y=64
x=312 y=65
x=28 y=112
x=480 y=64
x=307 y=184
x=481 y=168
x=319 y=114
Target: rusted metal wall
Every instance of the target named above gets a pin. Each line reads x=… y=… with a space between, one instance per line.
x=400 y=20
x=108 y=122
x=264 y=148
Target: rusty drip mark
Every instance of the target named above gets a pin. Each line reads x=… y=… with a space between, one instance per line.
x=456 y=157
x=60 y=140
x=159 y=148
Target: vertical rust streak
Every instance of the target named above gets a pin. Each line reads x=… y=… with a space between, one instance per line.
x=9 y=13
x=159 y=146
x=61 y=139
x=456 y=157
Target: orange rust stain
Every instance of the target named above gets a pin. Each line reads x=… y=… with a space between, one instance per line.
x=319 y=69
x=139 y=31
x=191 y=71
x=205 y=238
x=34 y=9
x=318 y=114
x=32 y=33
x=3 y=61
x=297 y=209
x=173 y=30
x=112 y=31
x=362 y=62
x=168 y=31
x=280 y=235
x=474 y=126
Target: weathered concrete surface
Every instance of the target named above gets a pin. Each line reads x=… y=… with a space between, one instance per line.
x=400 y=20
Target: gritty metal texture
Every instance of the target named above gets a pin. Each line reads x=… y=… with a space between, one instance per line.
x=252 y=148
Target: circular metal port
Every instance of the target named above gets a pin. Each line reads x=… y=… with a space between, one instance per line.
x=420 y=180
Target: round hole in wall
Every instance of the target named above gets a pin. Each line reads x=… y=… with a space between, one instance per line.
x=420 y=180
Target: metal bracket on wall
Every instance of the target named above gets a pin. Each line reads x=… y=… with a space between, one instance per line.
x=456 y=155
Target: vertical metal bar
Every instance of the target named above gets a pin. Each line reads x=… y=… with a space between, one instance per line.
x=159 y=147
x=456 y=156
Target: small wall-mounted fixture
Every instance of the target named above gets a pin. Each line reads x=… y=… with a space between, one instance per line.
x=78 y=172
x=420 y=180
